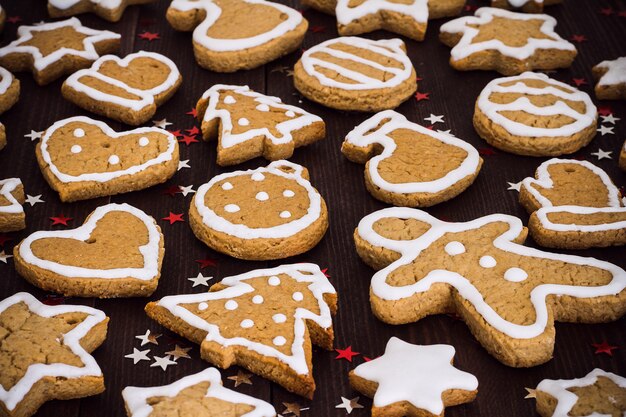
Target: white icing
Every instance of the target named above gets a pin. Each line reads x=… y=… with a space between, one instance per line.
x=290 y=113
x=515 y=274
x=273 y=281
x=149 y=251
x=454 y=248
x=143 y=141
x=418 y=374
x=76 y=149
x=279 y=341
x=263 y=107
x=243 y=122
x=71 y=340
x=416 y=10
x=288 y=193
x=101 y=4
x=6 y=189
x=262 y=196
x=114 y=159
x=137 y=398
x=257 y=299
x=258 y=176
x=487 y=262
x=203 y=306
x=544 y=212
x=616 y=72
x=231 y=305
x=227 y=186
x=279 y=318
x=285 y=214
x=247 y=323
x=297 y=296
x=230 y=100
x=6 y=79
x=231 y=208
x=79 y=133
x=520 y=3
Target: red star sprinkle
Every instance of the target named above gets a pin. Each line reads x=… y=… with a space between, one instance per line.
x=4 y=239
x=172 y=190
x=604 y=347
x=607 y=11
x=431 y=127
x=53 y=299
x=193 y=131
x=579 y=81
x=203 y=263
x=486 y=151
x=14 y=19
x=173 y=218
x=318 y=29
x=346 y=353
x=578 y=38
x=60 y=220
x=149 y=36
x=188 y=140
x=325 y=272
x=604 y=110
x=176 y=133
x=193 y=112
x=422 y=96
x=367 y=359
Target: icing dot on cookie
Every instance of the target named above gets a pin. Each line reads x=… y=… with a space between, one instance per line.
x=279 y=341
x=114 y=159
x=230 y=100
x=285 y=214
x=257 y=299
x=262 y=196
x=288 y=193
x=79 y=133
x=297 y=296
x=257 y=176
x=144 y=141
x=231 y=208
x=454 y=248
x=289 y=113
x=243 y=122
x=231 y=305
x=76 y=149
x=227 y=186
x=263 y=107
x=515 y=274
x=274 y=281
x=203 y=306
x=487 y=262
x=247 y=323
x=279 y=318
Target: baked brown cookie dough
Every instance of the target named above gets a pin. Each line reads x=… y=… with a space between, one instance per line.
x=9 y=90
x=436 y=8
x=111 y=10
x=611 y=79
x=622 y=157
x=526 y=6
x=12 y=217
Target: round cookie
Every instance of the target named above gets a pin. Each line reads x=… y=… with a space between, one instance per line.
x=532 y=114
x=352 y=73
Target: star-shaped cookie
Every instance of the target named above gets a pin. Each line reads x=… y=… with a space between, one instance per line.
x=611 y=76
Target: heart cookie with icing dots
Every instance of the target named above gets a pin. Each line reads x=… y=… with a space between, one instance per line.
x=108 y=10
x=117 y=252
x=505 y=292
x=573 y=205
x=12 y=197
x=83 y=158
x=230 y=35
x=126 y=89
x=261 y=214
x=409 y=165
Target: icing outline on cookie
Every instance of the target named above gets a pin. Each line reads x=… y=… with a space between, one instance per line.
x=417 y=10
x=6 y=79
x=7 y=187
x=615 y=72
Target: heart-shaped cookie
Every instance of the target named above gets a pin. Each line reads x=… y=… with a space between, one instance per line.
x=117 y=252
x=83 y=158
x=128 y=89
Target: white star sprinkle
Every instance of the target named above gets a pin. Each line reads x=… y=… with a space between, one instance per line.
x=602 y=154
x=163 y=123
x=34 y=135
x=148 y=338
x=200 y=280
x=162 y=362
x=34 y=199
x=186 y=190
x=138 y=355
x=183 y=164
x=514 y=186
x=606 y=130
x=4 y=257
x=349 y=405
x=432 y=119
x=610 y=119
x=446 y=132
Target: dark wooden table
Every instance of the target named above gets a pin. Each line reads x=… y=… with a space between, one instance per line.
x=451 y=93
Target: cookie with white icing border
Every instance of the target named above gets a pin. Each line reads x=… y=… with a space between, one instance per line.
x=45 y=353
x=52 y=50
x=127 y=89
x=266 y=213
x=526 y=6
x=12 y=217
x=202 y=392
x=505 y=41
x=611 y=79
x=248 y=124
x=111 y=10
x=505 y=292
x=82 y=158
x=351 y=73
x=413 y=380
x=9 y=90
x=436 y=9
x=231 y=35
x=573 y=205
x=117 y=252
x=264 y=320
x=409 y=165
x=599 y=393
x=532 y=114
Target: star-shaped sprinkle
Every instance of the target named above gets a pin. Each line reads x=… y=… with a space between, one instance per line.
x=163 y=123
x=176 y=133
x=579 y=81
x=14 y=19
x=193 y=131
x=446 y=132
x=53 y=299
x=148 y=36
x=293 y=408
x=422 y=96
x=172 y=190
x=61 y=220
x=34 y=199
x=4 y=257
x=186 y=190
x=200 y=280
x=174 y=218
x=34 y=135
x=203 y=263
x=530 y=393
x=605 y=110
x=514 y=186
x=162 y=362
x=188 y=140
x=486 y=151
x=241 y=378
x=183 y=164
x=346 y=353
x=604 y=347
x=349 y=405
x=148 y=337
x=138 y=355
x=280 y=68
x=432 y=119
x=179 y=352
x=600 y=154
x=606 y=130
x=193 y=112
x=578 y=38
x=609 y=118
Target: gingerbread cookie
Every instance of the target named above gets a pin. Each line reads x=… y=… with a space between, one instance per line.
x=351 y=73
x=52 y=50
x=526 y=6
x=435 y=8
x=409 y=165
x=45 y=353
x=532 y=114
x=507 y=42
x=3 y=136
x=230 y=35
x=611 y=79
x=265 y=321
x=9 y=90
x=128 y=89
x=108 y=10
x=83 y=158
x=622 y=157
x=201 y=394
x=413 y=380
x=12 y=197
x=247 y=124
x=599 y=393
x=117 y=252
x=261 y=214
x=573 y=205
x=505 y=292
x=3 y=17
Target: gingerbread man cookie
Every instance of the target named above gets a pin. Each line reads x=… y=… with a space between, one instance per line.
x=413 y=380
x=121 y=251
x=247 y=124
x=83 y=158
x=261 y=214
x=12 y=197
x=409 y=165
x=526 y=6
x=599 y=393
x=202 y=392
x=351 y=73
x=52 y=50
x=126 y=89
x=264 y=320
x=507 y=42
x=45 y=353
x=504 y=291
x=532 y=114
x=230 y=35
x=611 y=79
x=573 y=205
x=111 y=10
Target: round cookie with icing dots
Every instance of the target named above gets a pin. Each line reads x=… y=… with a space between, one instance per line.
x=409 y=165
x=261 y=214
x=52 y=50
x=12 y=217
x=526 y=6
x=111 y=10
x=83 y=158
x=46 y=353
x=351 y=73
x=265 y=321
x=611 y=79
x=121 y=251
x=505 y=292
x=505 y=41
x=127 y=89
x=573 y=205
x=231 y=35
x=247 y=124
x=532 y=114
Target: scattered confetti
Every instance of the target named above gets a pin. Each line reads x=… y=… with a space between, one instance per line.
x=346 y=353
x=172 y=190
x=184 y=190
x=4 y=239
x=609 y=118
x=162 y=361
x=174 y=218
x=34 y=199
x=148 y=337
x=600 y=154
x=163 y=123
x=193 y=112
x=183 y=164
x=193 y=131
x=61 y=220
x=14 y=19
x=579 y=81
x=349 y=405
x=179 y=352
x=203 y=263
x=148 y=36
x=578 y=38
x=200 y=280
x=176 y=133
x=241 y=378
x=422 y=96
x=293 y=408
x=606 y=130
x=486 y=151
x=34 y=135
x=432 y=119
x=514 y=186
x=531 y=393
x=138 y=355
x=188 y=140
x=4 y=257
x=604 y=347
x=605 y=110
